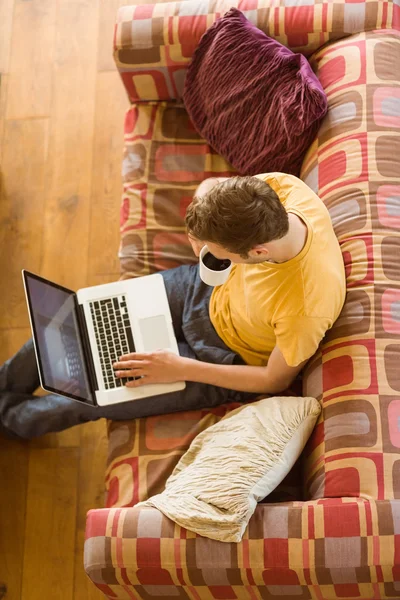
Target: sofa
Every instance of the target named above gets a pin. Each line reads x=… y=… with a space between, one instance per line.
x=332 y=528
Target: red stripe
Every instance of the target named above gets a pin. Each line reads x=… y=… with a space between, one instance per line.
x=107 y=591
x=307 y=577
x=130 y=593
x=379 y=574
x=324 y=17
x=125 y=577
x=276 y=21
x=251 y=592
x=384 y=15
x=181 y=578
x=377 y=591
x=375 y=545
x=250 y=577
x=177 y=554
x=306 y=556
x=119 y=554
x=311 y=530
x=114 y=527
x=368 y=517
x=194 y=592
x=245 y=551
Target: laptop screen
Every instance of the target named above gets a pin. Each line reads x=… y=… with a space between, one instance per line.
x=57 y=338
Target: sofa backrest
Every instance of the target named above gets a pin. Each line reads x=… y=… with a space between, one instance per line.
x=354 y=166
x=153 y=43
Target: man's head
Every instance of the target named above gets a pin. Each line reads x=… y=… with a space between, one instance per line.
x=237 y=218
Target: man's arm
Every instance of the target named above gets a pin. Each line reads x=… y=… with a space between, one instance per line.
x=164 y=366
x=275 y=377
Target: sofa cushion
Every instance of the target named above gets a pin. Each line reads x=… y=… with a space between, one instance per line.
x=230 y=467
x=165 y=160
x=154 y=43
x=257 y=103
x=354 y=166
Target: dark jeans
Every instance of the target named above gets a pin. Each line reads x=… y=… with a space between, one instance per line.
x=24 y=415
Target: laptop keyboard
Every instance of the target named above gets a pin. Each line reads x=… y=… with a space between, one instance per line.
x=113 y=336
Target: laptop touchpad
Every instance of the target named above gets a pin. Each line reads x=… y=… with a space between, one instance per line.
x=155 y=333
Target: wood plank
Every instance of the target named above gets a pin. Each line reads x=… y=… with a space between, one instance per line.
x=30 y=88
x=53 y=73
x=50 y=524
x=67 y=207
x=21 y=213
x=12 y=340
x=6 y=20
x=3 y=100
x=14 y=458
x=70 y=438
x=106 y=174
x=92 y=465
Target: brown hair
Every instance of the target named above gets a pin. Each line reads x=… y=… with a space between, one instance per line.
x=238 y=214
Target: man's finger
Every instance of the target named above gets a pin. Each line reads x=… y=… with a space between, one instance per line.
x=131 y=364
x=137 y=382
x=134 y=356
x=127 y=356
x=132 y=373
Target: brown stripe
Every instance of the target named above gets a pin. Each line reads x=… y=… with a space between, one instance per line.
x=294 y=522
x=140 y=56
x=130 y=526
x=385 y=517
x=371 y=16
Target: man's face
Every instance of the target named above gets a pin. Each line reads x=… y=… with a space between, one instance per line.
x=259 y=254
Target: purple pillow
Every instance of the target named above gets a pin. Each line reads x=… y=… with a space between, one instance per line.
x=257 y=103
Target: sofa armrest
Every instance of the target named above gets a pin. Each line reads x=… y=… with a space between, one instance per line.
x=347 y=547
x=154 y=43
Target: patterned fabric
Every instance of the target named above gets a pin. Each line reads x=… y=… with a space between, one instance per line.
x=248 y=452
x=154 y=43
x=335 y=548
x=354 y=165
x=164 y=161
x=143 y=453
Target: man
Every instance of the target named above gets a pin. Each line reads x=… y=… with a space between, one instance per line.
x=248 y=337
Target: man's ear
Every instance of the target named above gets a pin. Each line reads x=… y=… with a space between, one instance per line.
x=259 y=250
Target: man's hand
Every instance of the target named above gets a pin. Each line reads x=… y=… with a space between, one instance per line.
x=161 y=366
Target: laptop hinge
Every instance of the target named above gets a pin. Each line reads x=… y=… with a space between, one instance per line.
x=86 y=343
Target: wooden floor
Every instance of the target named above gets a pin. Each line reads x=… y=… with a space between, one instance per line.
x=61 y=134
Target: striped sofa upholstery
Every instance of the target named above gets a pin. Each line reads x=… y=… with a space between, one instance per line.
x=332 y=528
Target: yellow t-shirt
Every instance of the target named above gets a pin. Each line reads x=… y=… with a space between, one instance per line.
x=290 y=304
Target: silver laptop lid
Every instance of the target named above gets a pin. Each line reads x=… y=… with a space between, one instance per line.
x=57 y=338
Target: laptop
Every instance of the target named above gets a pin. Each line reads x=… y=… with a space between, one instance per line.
x=78 y=336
